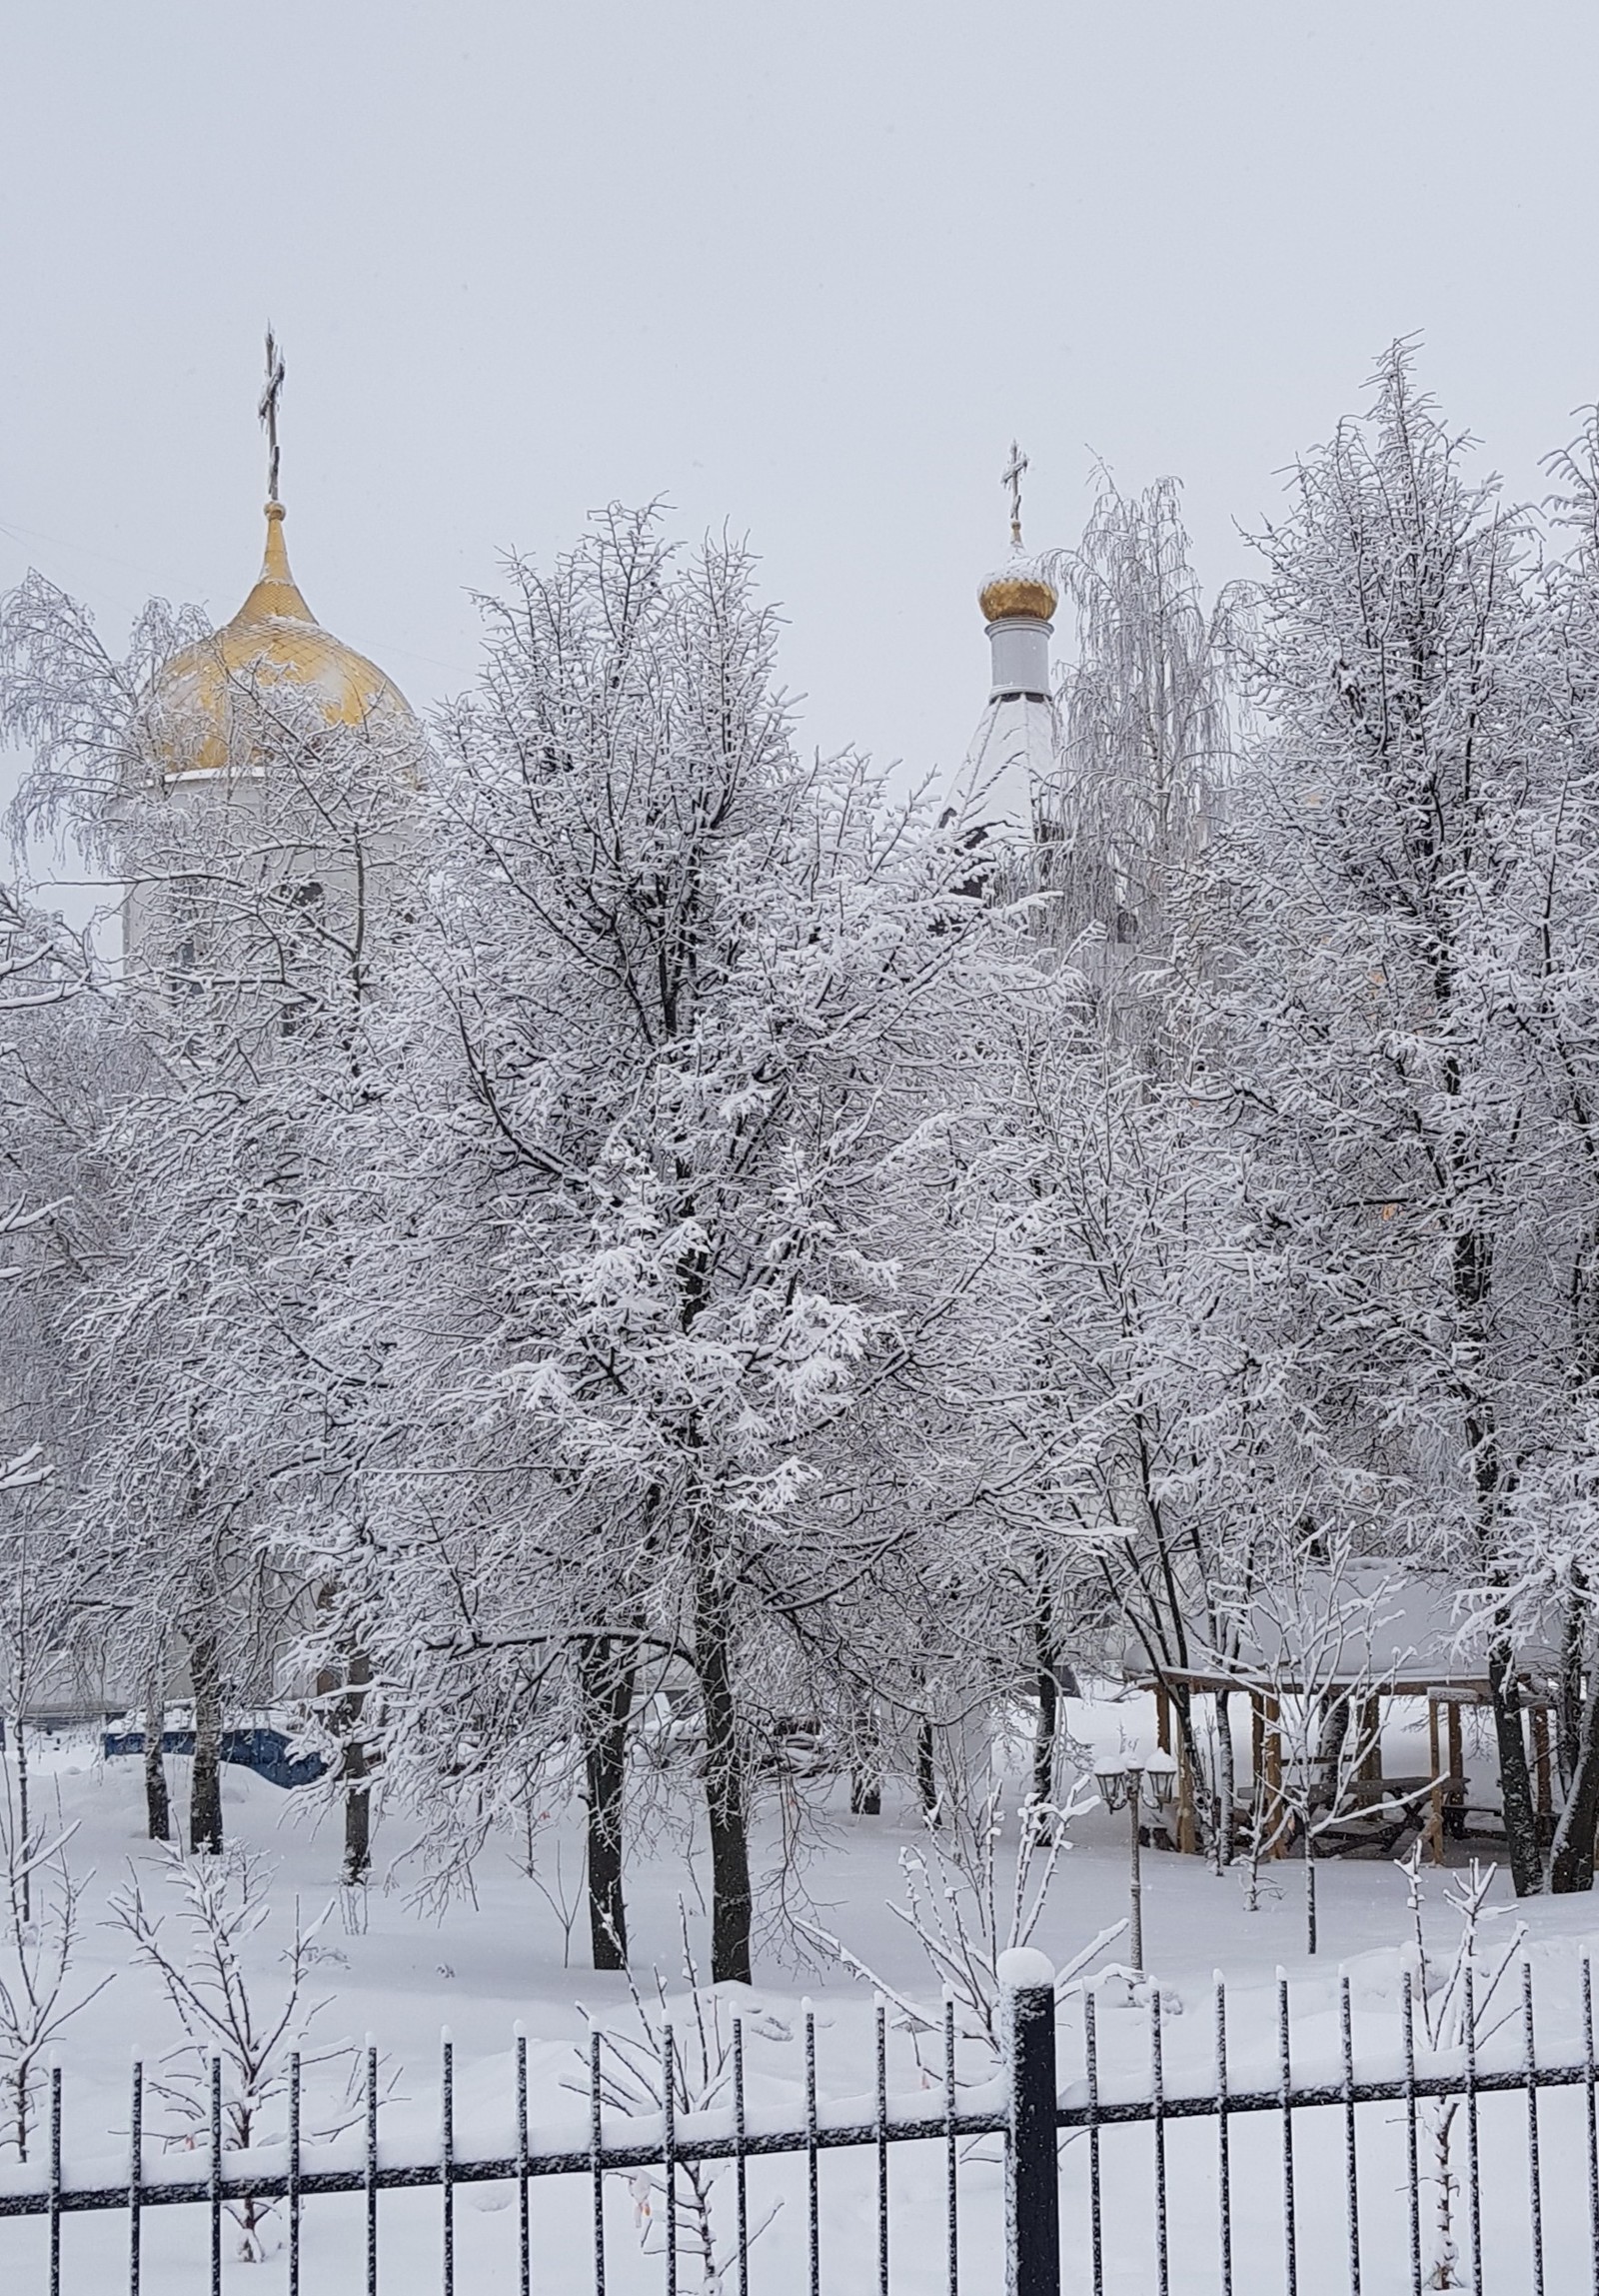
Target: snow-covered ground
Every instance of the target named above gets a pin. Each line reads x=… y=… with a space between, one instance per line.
x=482 y=1966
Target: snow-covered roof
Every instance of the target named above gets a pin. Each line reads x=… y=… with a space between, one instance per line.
x=1371 y=1621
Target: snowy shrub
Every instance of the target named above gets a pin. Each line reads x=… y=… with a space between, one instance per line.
x=693 y=2063
x=200 y=1950
x=1455 y=1997
x=966 y=1912
x=36 y=1943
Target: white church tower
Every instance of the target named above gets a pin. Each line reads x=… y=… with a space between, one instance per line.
x=1010 y=783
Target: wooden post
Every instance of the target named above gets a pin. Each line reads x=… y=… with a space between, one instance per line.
x=1273 y=1749
x=1541 y=1757
x=1183 y=1811
x=1370 y=1771
x=1187 y=1833
x=1435 y=1793
x=1457 y=1761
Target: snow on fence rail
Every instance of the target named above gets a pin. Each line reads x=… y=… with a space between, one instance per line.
x=1485 y=2177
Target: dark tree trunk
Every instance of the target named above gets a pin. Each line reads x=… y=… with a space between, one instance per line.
x=1043 y=1745
x=1226 y=1783
x=354 y=1768
x=608 y=1671
x=1571 y=1867
x=1473 y=1277
x=1569 y=1714
x=866 y=1771
x=343 y=1697
x=730 y=1907
x=205 y=1786
x=157 y=1801
x=357 y=1818
x=927 y=1770
x=1515 y=1778
x=1336 y=1706
x=24 y=1815
x=1049 y=1687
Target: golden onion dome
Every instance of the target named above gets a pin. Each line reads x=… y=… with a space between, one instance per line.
x=273 y=642
x=1021 y=593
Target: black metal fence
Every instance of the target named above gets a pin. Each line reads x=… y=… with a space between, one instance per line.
x=1467 y=2167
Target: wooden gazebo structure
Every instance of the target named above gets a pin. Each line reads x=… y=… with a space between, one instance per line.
x=1443 y=1788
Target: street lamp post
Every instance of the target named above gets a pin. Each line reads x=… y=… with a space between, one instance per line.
x=1125 y=1788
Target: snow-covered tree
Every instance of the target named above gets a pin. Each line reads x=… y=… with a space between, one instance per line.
x=260 y=887
x=706 y=1002
x=1554 y=1532
x=1382 y=1009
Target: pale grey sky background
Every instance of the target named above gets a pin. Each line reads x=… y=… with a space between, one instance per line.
x=803 y=268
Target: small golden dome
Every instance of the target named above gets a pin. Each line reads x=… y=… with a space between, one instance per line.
x=1021 y=593
x=273 y=641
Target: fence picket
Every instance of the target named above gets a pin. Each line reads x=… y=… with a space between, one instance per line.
x=1090 y=2058
x=669 y=2149
x=1290 y=2208
x=1473 y=2157
x=813 y=2195
x=55 y=2180
x=447 y=2160
x=214 y=2178
x=524 y=2227
x=294 y=2175
x=740 y=2173
x=372 y=2170
x=597 y=2163
x=1409 y=2014
x=1593 y=2124
x=135 y=2169
x=1223 y=2152
x=951 y=2157
x=1350 y=2154
x=1157 y=2087
x=1534 y=2165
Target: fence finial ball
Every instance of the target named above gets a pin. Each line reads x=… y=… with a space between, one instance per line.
x=1021 y=1967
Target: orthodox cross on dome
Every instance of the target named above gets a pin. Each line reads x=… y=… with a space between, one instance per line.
x=1011 y=477
x=268 y=411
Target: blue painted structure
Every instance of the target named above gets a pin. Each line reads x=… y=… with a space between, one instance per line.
x=263 y=1751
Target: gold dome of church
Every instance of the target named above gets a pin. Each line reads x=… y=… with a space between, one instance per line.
x=1020 y=593
x=209 y=692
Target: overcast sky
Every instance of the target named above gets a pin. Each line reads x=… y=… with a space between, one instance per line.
x=800 y=268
